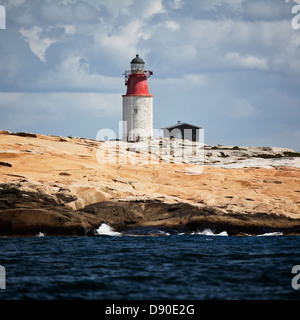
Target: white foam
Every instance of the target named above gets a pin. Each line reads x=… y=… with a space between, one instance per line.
x=164 y=233
x=270 y=234
x=40 y=234
x=105 y=229
x=209 y=232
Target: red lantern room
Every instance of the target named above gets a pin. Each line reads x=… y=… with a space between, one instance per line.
x=136 y=78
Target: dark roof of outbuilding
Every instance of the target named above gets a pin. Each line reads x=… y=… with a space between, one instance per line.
x=182 y=124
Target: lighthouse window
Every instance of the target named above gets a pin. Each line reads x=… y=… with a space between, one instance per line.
x=135 y=110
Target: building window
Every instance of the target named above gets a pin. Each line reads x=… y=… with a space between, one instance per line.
x=135 y=110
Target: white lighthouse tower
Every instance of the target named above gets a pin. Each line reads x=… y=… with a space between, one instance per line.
x=137 y=103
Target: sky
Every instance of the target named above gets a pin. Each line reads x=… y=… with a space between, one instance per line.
x=229 y=66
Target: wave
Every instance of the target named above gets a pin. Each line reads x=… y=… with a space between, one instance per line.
x=209 y=232
x=147 y=231
x=106 y=230
x=270 y=234
x=163 y=233
x=40 y=234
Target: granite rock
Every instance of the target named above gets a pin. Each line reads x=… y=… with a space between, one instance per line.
x=241 y=190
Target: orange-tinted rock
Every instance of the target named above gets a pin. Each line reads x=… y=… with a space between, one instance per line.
x=124 y=195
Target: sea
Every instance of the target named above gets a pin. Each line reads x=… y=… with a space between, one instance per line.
x=150 y=264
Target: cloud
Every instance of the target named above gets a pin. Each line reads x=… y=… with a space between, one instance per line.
x=177 y=4
x=206 y=45
x=187 y=82
x=172 y=25
x=40 y=39
x=221 y=43
x=37 y=43
x=248 y=62
x=295 y=1
x=10 y=65
x=124 y=39
x=73 y=73
x=69 y=29
x=65 y=58
x=13 y=3
x=65 y=12
x=135 y=28
x=23 y=109
x=154 y=7
x=240 y=108
x=265 y=10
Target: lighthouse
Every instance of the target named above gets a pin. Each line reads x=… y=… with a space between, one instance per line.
x=137 y=103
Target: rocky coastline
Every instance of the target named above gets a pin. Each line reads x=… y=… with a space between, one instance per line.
x=61 y=186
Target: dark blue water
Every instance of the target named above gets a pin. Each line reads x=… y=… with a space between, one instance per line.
x=167 y=267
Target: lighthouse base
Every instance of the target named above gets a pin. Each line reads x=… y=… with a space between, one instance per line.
x=137 y=117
